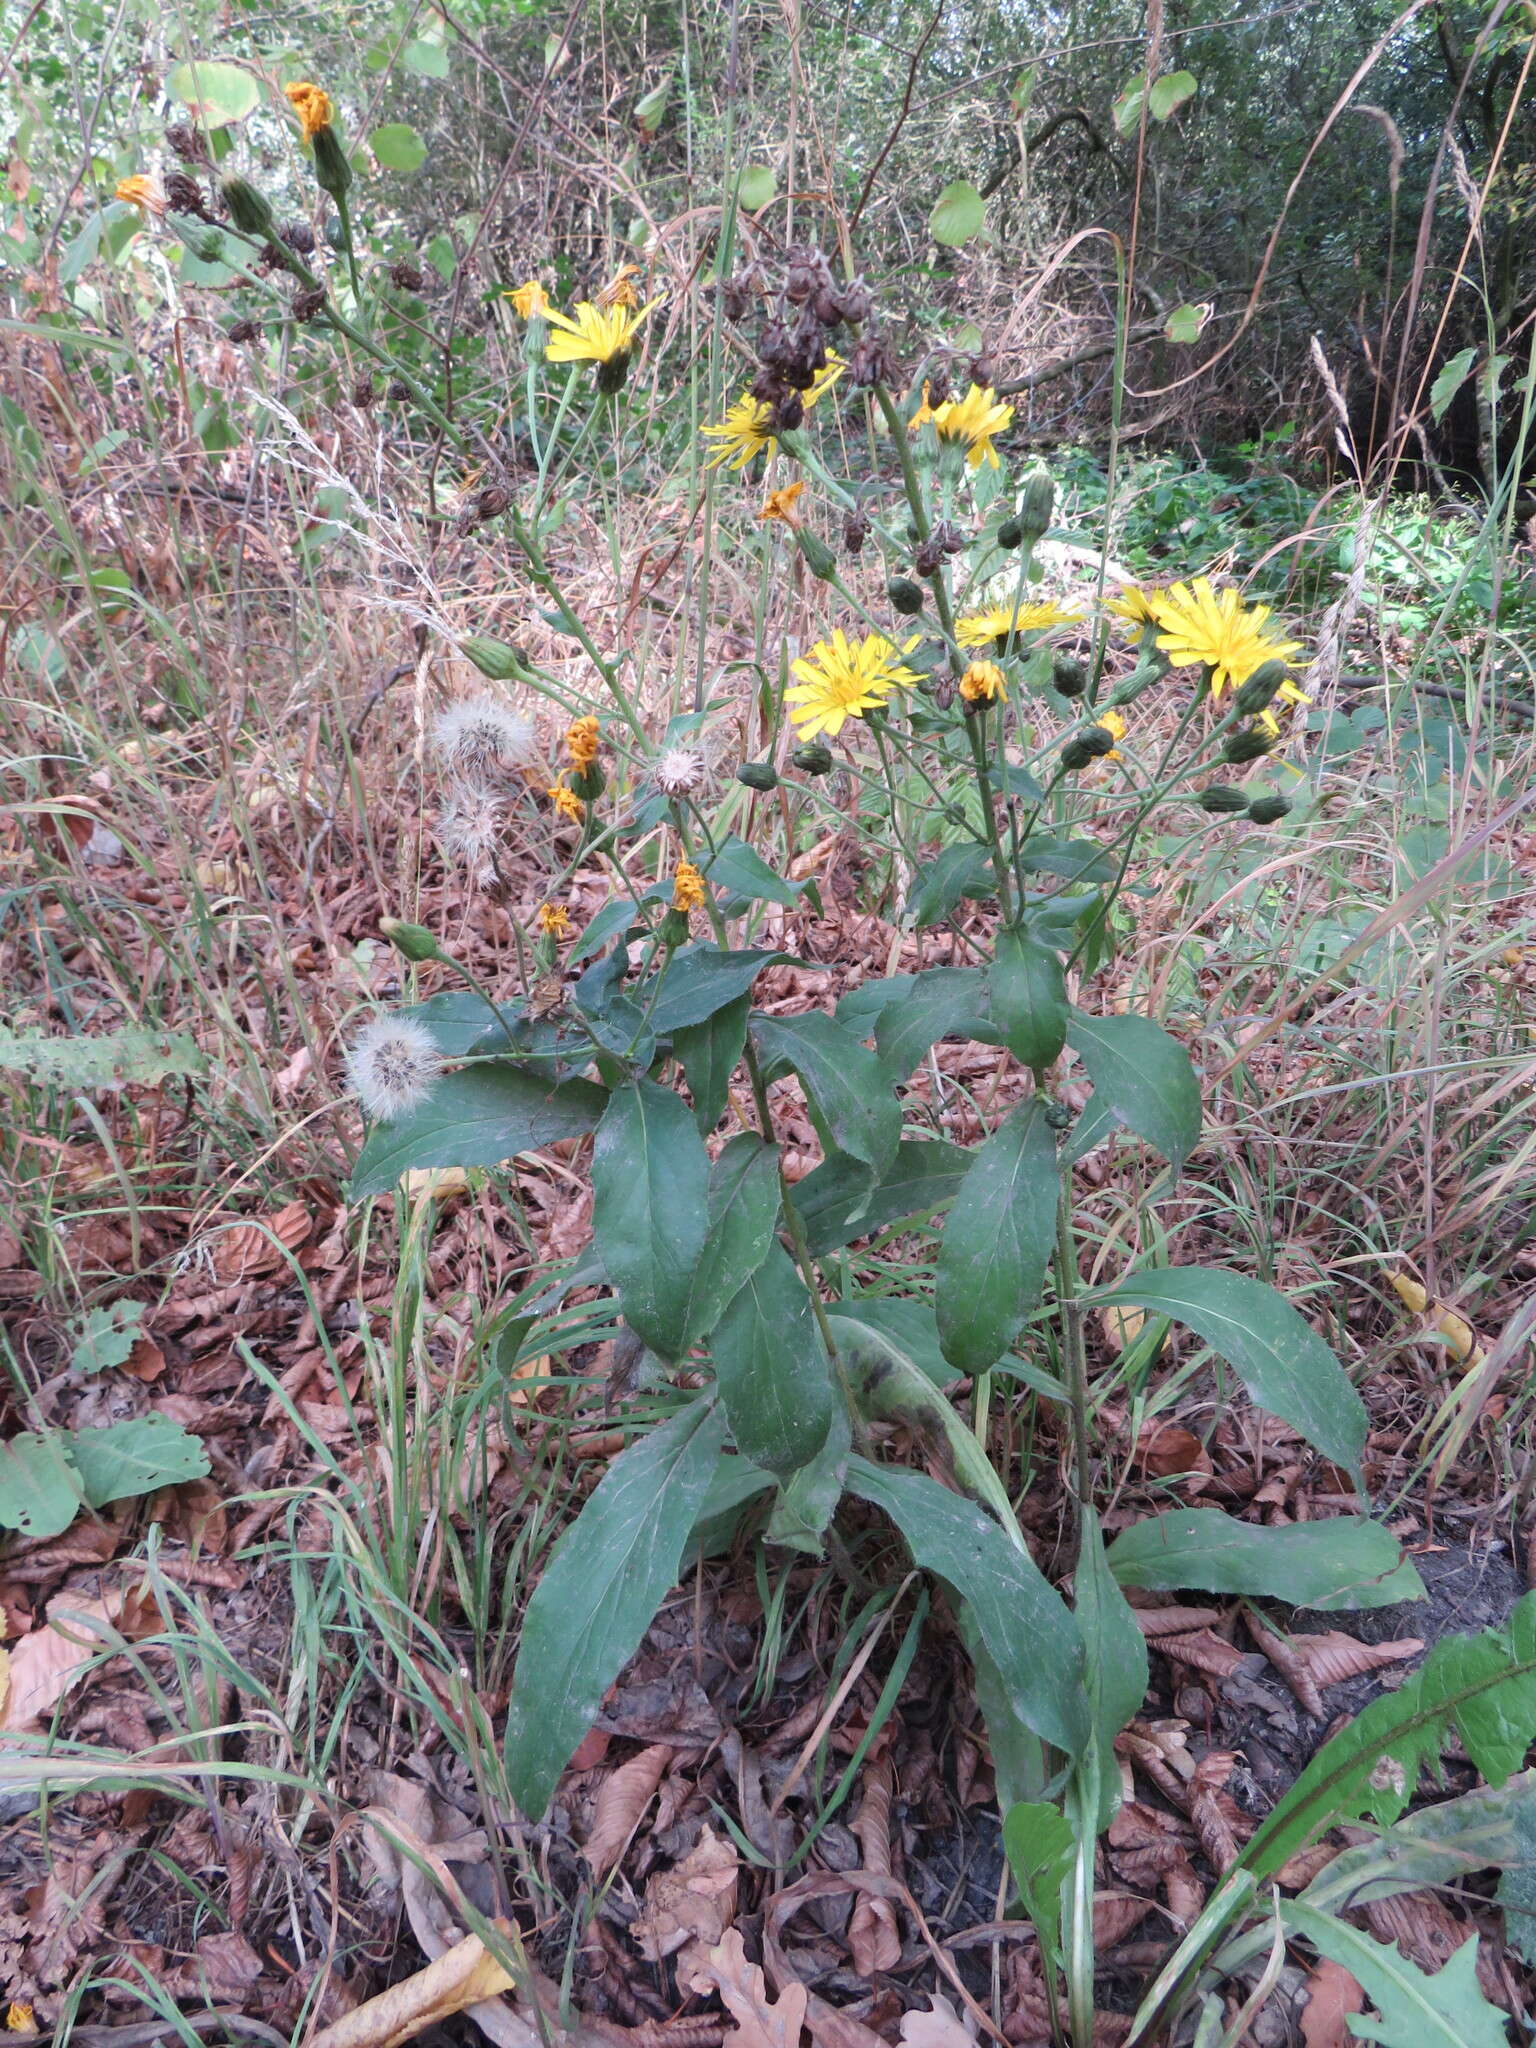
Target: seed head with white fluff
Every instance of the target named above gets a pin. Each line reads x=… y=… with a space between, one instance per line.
x=679 y=771
x=392 y=1064
x=481 y=733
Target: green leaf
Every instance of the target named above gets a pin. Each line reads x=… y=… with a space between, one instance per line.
x=900 y=1320
x=1144 y=1076
x=773 y=1371
x=756 y=188
x=480 y=1117
x=651 y=106
x=1040 y=1845
x=1170 y=92
x=1116 y=1651
x=1416 y=2010
x=808 y=1498
x=958 y=213
x=596 y=1596
x=1027 y=998
x=134 y=1457
x=700 y=980
x=1344 y=1562
x=40 y=1488
x=1449 y=381
x=962 y=870
x=1127 y=109
x=845 y=1084
x=398 y=147
x=1516 y=1891
x=110 y=1060
x=836 y=1203
x=1080 y=861
x=1022 y=1620
x=427 y=60
x=997 y=1241
x=743 y=1211
x=1184 y=323
x=650 y=1209
x=106 y=1337
x=941 y=1002
x=736 y=867
x=1284 y=1364
x=710 y=1053
x=736 y=1482
x=214 y=94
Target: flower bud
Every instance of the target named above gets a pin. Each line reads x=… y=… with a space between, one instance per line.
x=1077 y=754
x=1268 y=810
x=1035 y=506
x=611 y=375
x=493 y=658
x=758 y=775
x=1251 y=744
x=819 y=558
x=812 y=758
x=906 y=597
x=1223 y=799
x=1010 y=534
x=247 y=208
x=333 y=173
x=1069 y=677
x=1259 y=690
x=588 y=783
x=413 y=940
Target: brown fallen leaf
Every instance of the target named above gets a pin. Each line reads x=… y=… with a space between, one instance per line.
x=1174 y=1621
x=621 y=1800
x=761 y=2021
x=688 y=1909
x=46 y=1663
x=1167 y=1451
x=1332 y=1995
x=874 y=1938
x=1288 y=1661
x=222 y=1968
x=1203 y=1650
x=463 y=1977
x=940 y=2027
x=1334 y=1656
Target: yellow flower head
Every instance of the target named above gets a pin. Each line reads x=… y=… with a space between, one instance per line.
x=530 y=301
x=312 y=106
x=687 y=888
x=141 y=192
x=566 y=802
x=982 y=682
x=620 y=289
x=1002 y=621
x=1218 y=631
x=825 y=378
x=974 y=419
x=1114 y=724
x=1136 y=607
x=594 y=336
x=781 y=504
x=554 y=921
x=842 y=679
x=925 y=412
x=581 y=741
x=746 y=430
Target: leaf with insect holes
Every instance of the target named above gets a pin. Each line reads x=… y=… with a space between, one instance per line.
x=40 y=1488
x=106 y=1337
x=598 y=1592
x=138 y=1456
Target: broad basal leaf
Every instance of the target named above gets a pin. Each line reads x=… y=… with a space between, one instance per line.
x=1343 y=1562
x=650 y=1209
x=836 y=1203
x=41 y=1491
x=596 y=1596
x=743 y=1210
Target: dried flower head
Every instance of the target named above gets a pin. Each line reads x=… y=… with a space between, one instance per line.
x=480 y=733
x=470 y=826
x=982 y=682
x=688 y=893
x=679 y=771
x=581 y=741
x=530 y=300
x=554 y=921
x=780 y=504
x=392 y=1065
x=566 y=802
x=312 y=105
x=185 y=195
x=141 y=192
x=405 y=274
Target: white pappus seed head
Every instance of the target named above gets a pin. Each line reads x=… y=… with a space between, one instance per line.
x=392 y=1064
x=482 y=732
x=470 y=825
x=679 y=771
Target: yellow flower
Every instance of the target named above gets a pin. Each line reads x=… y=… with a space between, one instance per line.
x=974 y=420
x=781 y=504
x=925 y=412
x=687 y=888
x=581 y=741
x=842 y=679
x=530 y=301
x=554 y=920
x=620 y=290
x=1114 y=724
x=825 y=378
x=566 y=802
x=21 y=2018
x=1137 y=607
x=141 y=192
x=982 y=682
x=1216 y=629
x=594 y=336
x=1003 y=620
x=312 y=106
x=746 y=430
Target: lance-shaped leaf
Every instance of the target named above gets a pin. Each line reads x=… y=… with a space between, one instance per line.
x=650 y=1209
x=479 y=1116
x=1023 y=1621
x=1144 y=1076
x=743 y=1210
x=836 y=1203
x=938 y=1003
x=596 y=1596
x=998 y=1239
x=710 y=1053
x=1343 y=1562
x=1028 y=998
x=845 y=1084
x=774 y=1375
x=1284 y=1364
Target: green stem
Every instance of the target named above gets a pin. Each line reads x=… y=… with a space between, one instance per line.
x=1073 y=1345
